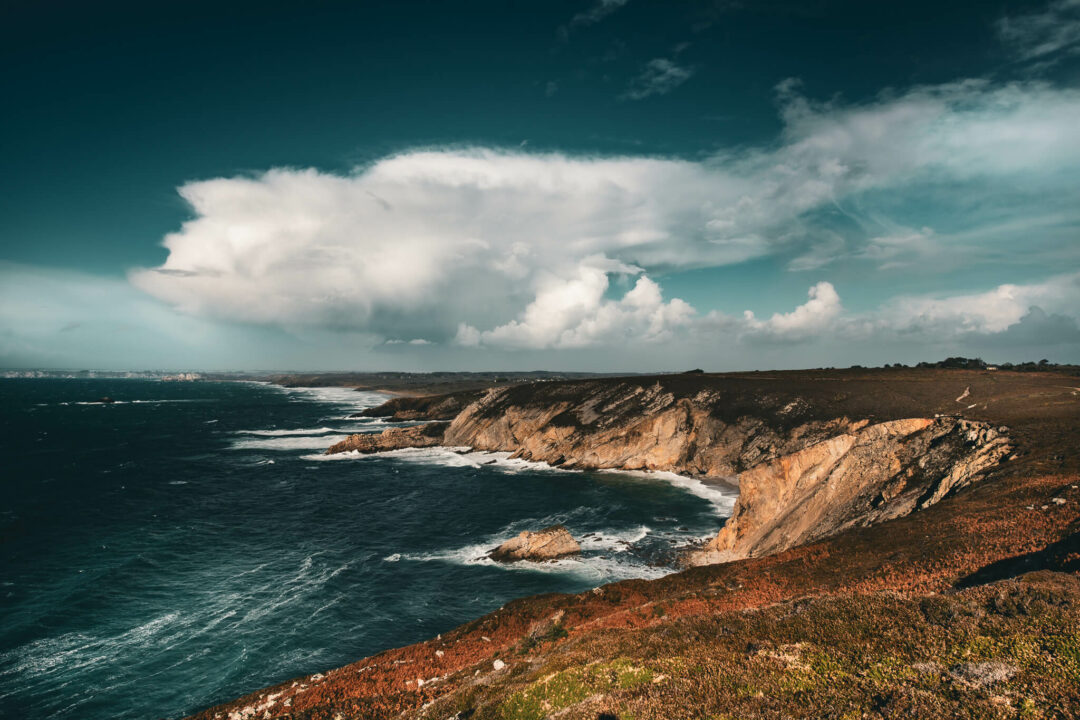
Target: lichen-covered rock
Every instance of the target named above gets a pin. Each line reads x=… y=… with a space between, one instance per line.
x=427 y=435
x=547 y=544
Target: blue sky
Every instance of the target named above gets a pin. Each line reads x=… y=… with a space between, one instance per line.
x=602 y=184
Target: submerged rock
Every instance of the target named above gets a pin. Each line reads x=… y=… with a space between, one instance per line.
x=547 y=544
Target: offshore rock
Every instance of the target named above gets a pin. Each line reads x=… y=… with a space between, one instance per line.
x=427 y=435
x=855 y=479
x=547 y=544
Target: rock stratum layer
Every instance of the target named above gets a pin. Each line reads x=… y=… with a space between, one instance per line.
x=805 y=469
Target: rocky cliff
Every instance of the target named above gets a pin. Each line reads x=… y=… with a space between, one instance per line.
x=806 y=465
x=857 y=478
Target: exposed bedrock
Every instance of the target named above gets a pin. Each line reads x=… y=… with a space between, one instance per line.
x=424 y=407
x=547 y=544
x=805 y=469
x=632 y=427
x=859 y=478
x=392 y=439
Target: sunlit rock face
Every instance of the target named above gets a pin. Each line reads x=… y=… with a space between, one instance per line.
x=547 y=544
x=859 y=478
x=808 y=463
x=391 y=439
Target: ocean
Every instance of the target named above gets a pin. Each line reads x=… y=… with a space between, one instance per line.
x=189 y=543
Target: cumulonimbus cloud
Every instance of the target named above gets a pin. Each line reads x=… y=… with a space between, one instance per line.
x=513 y=249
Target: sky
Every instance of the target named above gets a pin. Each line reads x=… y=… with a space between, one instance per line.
x=607 y=185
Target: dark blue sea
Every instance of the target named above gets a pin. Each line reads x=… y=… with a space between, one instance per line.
x=189 y=543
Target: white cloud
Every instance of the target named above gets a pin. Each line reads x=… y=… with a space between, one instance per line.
x=465 y=236
x=517 y=249
x=988 y=313
x=414 y=341
x=1010 y=314
x=814 y=316
x=573 y=313
x=659 y=77
x=1040 y=35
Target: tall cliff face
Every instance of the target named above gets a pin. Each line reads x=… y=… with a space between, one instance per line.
x=635 y=427
x=805 y=469
x=857 y=478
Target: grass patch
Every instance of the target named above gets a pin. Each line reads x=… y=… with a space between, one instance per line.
x=560 y=690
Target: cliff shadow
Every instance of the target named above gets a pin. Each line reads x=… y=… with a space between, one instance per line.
x=1061 y=556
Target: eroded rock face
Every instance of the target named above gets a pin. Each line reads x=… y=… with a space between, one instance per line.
x=425 y=407
x=875 y=473
x=631 y=427
x=547 y=544
x=392 y=439
x=806 y=470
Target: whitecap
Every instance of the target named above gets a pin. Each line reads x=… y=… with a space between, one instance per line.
x=289 y=442
x=606 y=560
x=173 y=400
x=344 y=397
x=596 y=568
x=276 y=433
x=305 y=431
x=450 y=457
x=614 y=540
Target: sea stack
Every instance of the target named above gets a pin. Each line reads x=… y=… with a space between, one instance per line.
x=547 y=544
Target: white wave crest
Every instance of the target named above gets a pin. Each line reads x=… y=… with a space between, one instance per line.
x=343 y=397
x=301 y=431
x=450 y=457
x=287 y=442
x=605 y=554
x=614 y=540
x=595 y=568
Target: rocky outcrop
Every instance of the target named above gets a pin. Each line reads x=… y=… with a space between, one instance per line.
x=547 y=544
x=858 y=478
x=425 y=407
x=633 y=427
x=391 y=439
x=806 y=469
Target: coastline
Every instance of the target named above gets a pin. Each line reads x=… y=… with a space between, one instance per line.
x=933 y=551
